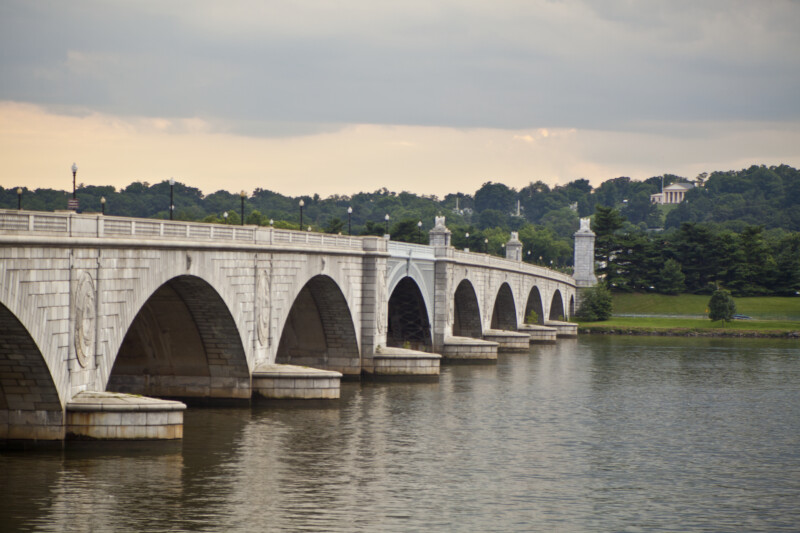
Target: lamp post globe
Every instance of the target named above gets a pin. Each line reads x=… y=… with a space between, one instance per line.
x=19 y=198
x=103 y=204
x=243 y=195
x=419 y=232
x=386 y=218
x=486 y=246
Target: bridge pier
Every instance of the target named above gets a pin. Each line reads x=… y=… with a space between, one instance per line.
x=291 y=382
x=113 y=416
x=508 y=341
x=469 y=350
x=402 y=364
x=540 y=334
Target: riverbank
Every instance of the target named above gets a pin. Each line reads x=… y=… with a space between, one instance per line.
x=692 y=327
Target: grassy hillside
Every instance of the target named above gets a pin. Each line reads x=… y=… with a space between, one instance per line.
x=764 y=308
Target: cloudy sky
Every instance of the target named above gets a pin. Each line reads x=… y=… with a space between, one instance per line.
x=430 y=96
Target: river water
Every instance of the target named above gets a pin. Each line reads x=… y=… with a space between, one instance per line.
x=595 y=434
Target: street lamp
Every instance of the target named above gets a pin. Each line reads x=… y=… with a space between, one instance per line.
x=386 y=218
x=349 y=215
x=225 y=216
x=486 y=246
x=74 y=172
x=466 y=237
x=103 y=204
x=19 y=198
x=419 y=232
x=302 y=203
x=243 y=195
x=271 y=222
x=171 y=197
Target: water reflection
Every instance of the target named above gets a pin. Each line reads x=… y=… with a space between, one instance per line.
x=600 y=433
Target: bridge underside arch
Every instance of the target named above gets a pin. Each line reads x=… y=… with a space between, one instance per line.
x=408 y=317
x=504 y=314
x=466 y=312
x=557 y=307
x=535 y=304
x=30 y=407
x=319 y=331
x=183 y=343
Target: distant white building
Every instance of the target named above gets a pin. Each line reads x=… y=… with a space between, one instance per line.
x=672 y=194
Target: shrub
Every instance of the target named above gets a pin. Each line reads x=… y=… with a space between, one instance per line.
x=596 y=304
x=721 y=306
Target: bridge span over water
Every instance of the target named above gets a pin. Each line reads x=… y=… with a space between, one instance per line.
x=91 y=304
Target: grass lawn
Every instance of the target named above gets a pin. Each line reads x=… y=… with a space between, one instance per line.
x=760 y=307
x=655 y=323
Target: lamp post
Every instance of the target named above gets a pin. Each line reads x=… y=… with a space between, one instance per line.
x=302 y=203
x=171 y=197
x=103 y=204
x=349 y=215
x=419 y=232
x=386 y=218
x=74 y=172
x=225 y=216
x=243 y=195
x=19 y=198
x=73 y=202
x=271 y=222
x=466 y=237
x=486 y=246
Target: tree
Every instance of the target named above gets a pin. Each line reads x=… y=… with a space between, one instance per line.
x=596 y=304
x=721 y=306
x=670 y=278
x=607 y=221
x=495 y=196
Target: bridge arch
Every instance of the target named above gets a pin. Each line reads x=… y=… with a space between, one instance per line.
x=557 y=307
x=30 y=406
x=408 y=319
x=184 y=343
x=319 y=329
x=534 y=304
x=504 y=314
x=466 y=311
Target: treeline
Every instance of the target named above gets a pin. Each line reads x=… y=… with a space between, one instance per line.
x=697 y=258
x=545 y=216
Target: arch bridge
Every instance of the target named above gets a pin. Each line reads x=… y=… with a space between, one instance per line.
x=91 y=304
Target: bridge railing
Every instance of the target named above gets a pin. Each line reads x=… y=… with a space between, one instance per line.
x=85 y=225
x=503 y=263
x=407 y=249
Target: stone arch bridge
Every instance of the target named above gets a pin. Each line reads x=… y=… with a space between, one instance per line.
x=91 y=304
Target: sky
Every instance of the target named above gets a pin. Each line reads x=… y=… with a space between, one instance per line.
x=427 y=96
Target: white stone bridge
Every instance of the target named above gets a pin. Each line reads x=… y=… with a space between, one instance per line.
x=93 y=304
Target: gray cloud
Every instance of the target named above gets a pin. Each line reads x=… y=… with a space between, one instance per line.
x=259 y=67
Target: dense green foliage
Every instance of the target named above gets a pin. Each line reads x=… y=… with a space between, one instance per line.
x=721 y=306
x=739 y=230
x=596 y=304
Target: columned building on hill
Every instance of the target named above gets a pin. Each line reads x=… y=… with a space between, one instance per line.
x=672 y=194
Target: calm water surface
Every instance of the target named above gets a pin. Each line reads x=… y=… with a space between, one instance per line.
x=597 y=434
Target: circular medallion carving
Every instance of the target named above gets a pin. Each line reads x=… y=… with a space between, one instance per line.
x=262 y=307
x=84 y=318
